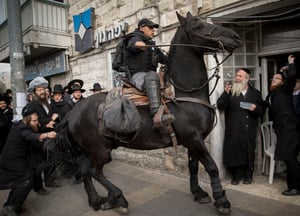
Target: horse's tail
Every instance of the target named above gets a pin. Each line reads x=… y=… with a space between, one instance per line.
x=62 y=153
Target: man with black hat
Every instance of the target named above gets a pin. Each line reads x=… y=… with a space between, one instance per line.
x=96 y=88
x=142 y=63
x=243 y=105
x=58 y=104
x=285 y=124
x=76 y=94
x=6 y=116
x=15 y=170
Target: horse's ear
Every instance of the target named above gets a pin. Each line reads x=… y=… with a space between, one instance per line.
x=189 y=15
x=182 y=20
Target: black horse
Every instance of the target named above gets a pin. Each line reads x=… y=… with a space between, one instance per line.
x=194 y=119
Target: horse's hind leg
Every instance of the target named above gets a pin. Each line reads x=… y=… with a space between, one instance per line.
x=221 y=201
x=115 y=197
x=199 y=194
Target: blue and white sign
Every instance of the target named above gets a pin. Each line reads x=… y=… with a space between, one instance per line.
x=84 y=30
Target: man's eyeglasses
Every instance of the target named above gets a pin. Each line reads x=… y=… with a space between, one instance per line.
x=275 y=78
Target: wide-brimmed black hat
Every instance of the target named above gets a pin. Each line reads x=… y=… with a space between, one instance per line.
x=72 y=82
x=58 y=89
x=5 y=98
x=75 y=81
x=147 y=22
x=76 y=87
x=96 y=87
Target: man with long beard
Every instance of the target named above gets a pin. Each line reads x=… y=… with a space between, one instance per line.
x=15 y=170
x=243 y=105
x=285 y=124
x=47 y=118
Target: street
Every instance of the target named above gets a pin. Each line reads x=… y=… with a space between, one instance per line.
x=152 y=193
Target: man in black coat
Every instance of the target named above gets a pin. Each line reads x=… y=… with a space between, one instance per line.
x=47 y=119
x=58 y=104
x=285 y=124
x=76 y=94
x=243 y=105
x=15 y=169
x=6 y=116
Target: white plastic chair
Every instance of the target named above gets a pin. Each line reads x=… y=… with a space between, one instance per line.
x=269 y=143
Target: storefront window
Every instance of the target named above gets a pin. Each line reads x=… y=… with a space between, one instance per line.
x=3 y=10
x=3 y=13
x=244 y=56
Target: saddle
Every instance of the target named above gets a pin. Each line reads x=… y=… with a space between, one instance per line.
x=140 y=98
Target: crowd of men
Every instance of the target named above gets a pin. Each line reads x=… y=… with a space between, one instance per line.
x=23 y=142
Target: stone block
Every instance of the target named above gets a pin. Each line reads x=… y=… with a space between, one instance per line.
x=165 y=6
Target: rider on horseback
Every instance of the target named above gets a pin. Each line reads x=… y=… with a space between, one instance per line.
x=142 y=62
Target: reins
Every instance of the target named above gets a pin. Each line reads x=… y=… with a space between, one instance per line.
x=215 y=74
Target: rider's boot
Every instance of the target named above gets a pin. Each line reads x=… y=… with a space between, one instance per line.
x=152 y=86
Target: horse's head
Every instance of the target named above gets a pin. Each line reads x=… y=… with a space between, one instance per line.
x=208 y=35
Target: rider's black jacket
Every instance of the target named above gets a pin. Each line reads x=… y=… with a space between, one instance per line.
x=139 y=60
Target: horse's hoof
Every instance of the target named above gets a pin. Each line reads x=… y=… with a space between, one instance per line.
x=121 y=210
x=106 y=206
x=224 y=211
x=202 y=200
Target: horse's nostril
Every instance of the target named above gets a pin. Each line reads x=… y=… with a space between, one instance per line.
x=237 y=37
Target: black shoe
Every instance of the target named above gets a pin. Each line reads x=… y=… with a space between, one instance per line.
x=235 y=181
x=291 y=192
x=42 y=192
x=8 y=211
x=52 y=184
x=247 y=181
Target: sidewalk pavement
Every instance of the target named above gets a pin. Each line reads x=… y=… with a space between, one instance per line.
x=152 y=193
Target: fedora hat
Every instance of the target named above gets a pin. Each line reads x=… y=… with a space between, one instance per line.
x=76 y=87
x=5 y=98
x=58 y=89
x=96 y=87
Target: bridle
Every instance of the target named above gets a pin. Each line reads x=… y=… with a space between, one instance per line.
x=216 y=68
x=208 y=37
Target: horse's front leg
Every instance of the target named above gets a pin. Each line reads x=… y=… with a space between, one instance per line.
x=95 y=201
x=221 y=201
x=115 y=198
x=199 y=194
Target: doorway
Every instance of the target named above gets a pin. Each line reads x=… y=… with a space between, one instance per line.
x=271 y=65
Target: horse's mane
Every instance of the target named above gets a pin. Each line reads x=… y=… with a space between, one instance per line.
x=172 y=50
